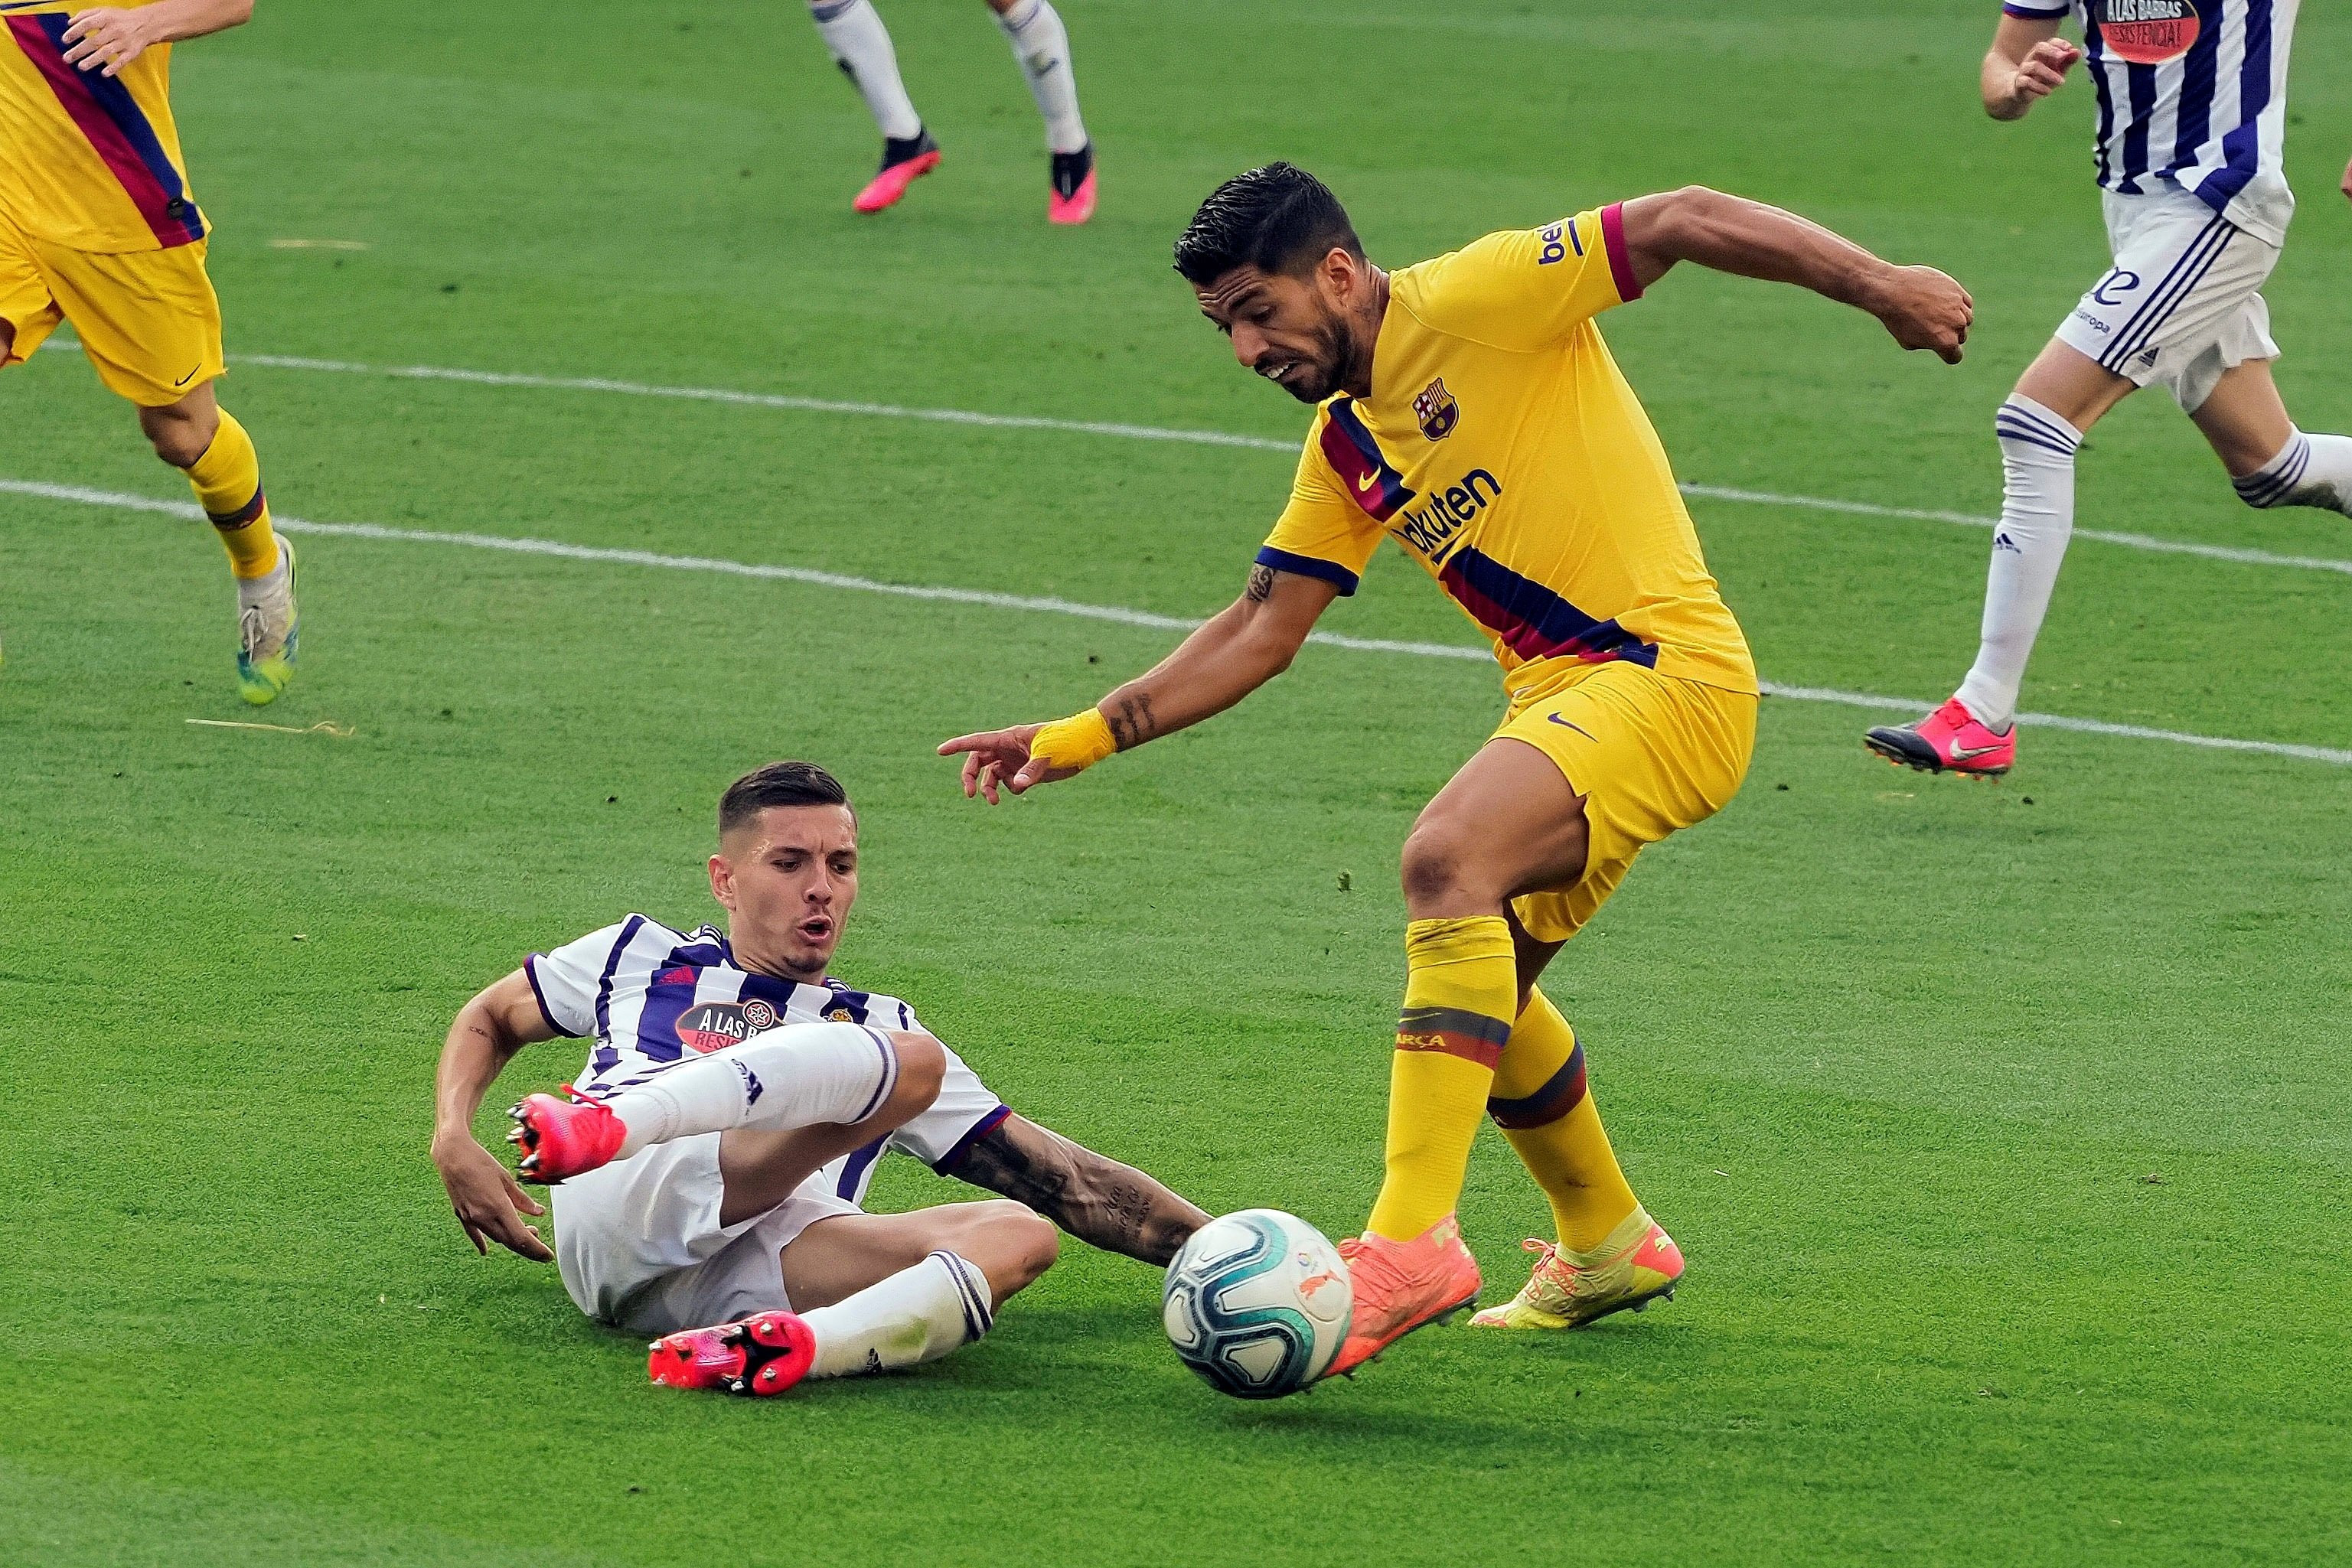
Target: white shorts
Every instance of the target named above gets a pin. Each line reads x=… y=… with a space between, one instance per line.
x=2182 y=303
x=639 y=1244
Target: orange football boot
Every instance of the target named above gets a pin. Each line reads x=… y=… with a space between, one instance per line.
x=1401 y=1286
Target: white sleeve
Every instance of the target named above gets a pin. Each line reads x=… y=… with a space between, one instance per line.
x=567 y=980
x=966 y=1112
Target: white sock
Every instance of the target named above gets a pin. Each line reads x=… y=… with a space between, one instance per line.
x=2037 y=517
x=802 y=1075
x=852 y=30
x=2309 y=471
x=1042 y=44
x=916 y=1315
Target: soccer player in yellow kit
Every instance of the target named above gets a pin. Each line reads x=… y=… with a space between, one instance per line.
x=1469 y=409
x=98 y=227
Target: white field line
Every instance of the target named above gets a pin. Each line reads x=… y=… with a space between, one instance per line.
x=2244 y=557
x=1122 y=615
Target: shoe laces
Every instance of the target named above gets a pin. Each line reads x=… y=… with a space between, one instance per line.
x=1562 y=1274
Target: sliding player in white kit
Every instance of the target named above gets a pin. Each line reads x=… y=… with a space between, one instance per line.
x=2191 y=128
x=860 y=45
x=736 y=1100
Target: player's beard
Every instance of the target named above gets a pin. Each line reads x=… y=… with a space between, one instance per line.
x=1329 y=370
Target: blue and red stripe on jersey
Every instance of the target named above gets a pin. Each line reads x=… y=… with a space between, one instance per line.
x=1377 y=484
x=1532 y=621
x=117 y=128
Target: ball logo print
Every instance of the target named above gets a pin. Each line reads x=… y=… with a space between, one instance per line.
x=2147 y=32
x=1257 y=1303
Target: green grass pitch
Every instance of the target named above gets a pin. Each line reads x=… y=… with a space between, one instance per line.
x=2004 y=1126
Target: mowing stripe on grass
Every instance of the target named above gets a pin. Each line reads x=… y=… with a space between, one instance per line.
x=1120 y=614
x=2244 y=556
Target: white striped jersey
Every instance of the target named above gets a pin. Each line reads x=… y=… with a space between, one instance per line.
x=2192 y=93
x=650 y=998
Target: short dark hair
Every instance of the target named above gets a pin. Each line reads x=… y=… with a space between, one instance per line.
x=1279 y=218
x=777 y=784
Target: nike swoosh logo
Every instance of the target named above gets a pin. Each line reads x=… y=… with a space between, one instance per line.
x=1367 y=481
x=1578 y=727
x=1962 y=753
x=183 y=380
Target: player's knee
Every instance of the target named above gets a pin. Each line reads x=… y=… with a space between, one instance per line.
x=179 y=436
x=1032 y=1243
x=922 y=1066
x=1436 y=861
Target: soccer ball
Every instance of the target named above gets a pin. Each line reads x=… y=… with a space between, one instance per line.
x=1257 y=1303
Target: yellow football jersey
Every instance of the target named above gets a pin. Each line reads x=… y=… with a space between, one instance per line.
x=88 y=161
x=1502 y=449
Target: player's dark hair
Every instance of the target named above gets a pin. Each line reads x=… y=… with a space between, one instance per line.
x=1279 y=218
x=777 y=784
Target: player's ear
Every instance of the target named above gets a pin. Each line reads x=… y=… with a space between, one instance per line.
x=1342 y=275
x=722 y=883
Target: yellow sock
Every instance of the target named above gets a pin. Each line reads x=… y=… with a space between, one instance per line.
x=1543 y=1105
x=1460 y=983
x=227 y=483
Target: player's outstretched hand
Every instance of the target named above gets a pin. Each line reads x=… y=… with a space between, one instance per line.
x=1924 y=309
x=2041 y=72
x=997 y=757
x=489 y=1202
x=107 y=37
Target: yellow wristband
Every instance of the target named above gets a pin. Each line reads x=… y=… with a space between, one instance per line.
x=1077 y=742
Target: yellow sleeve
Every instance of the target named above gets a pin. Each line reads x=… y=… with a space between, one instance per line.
x=1525 y=288
x=1321 y=533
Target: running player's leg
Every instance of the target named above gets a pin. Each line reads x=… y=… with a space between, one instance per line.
x=205 y=441
x=1506 y=823
x=1041 y=47
x=2270 y=461
x=860 y=45
x=1609 y=1255
x=2040 y=427
x=801 y=1076
x=150 y=326
x=871 y=1292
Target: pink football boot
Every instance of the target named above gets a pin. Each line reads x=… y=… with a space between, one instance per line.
x=903 y=163
x=763 y=1354
x=1071 y=199
x=562 y=1138
x=1949 y=741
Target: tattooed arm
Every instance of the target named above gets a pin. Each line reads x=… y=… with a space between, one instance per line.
x=1235 y=652
x=1097 y=1200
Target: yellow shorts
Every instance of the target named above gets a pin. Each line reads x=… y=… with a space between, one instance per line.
x=148 y=319
x=1649 y=753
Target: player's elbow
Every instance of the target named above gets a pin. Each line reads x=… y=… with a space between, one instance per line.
x=236 y=12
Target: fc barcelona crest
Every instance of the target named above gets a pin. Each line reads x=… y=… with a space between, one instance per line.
x=1436 y=410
